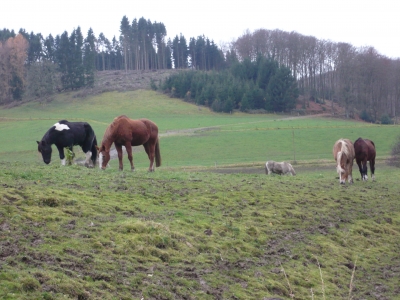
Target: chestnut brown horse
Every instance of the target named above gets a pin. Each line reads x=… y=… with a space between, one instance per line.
x=365 y=151
x=343 y=152
x=127 y=132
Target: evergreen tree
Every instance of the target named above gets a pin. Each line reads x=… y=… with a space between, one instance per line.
x=282 y=91
x=266 y=69
x=35 y=50
x=63 y=57
x=143 y=45
x=125 y=34
x=49 y=49
x=168 y=54
x=89 y=58
x=78 y=73
x=5 y=34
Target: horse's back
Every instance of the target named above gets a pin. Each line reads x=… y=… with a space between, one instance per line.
x=135 y=131
x=364 y=149
x=345 y=146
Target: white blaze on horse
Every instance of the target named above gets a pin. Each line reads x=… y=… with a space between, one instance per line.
x=281 y=168
x=343 y=152
x=66 y=134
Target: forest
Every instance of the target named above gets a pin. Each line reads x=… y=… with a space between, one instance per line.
x=361 y=80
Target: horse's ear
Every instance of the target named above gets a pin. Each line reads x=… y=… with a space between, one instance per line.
x=97 y=147
x=38 y=142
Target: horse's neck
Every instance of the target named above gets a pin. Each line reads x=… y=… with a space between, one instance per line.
x=49 y=137
x=107 y=142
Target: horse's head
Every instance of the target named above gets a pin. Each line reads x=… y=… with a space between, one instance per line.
x=103 y=156
x=45 y=149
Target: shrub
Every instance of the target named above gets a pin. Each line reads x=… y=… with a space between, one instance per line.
x=365 y=116
x=385 y=119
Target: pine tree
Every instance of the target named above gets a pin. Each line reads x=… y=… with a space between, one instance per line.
x=78 y=68
x=63 y=57
x=282 y=91
x=49 y=49
x=89 y=58
x=125 y=33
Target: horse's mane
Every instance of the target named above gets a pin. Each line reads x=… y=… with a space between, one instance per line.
x=110 y=129
x=345 y=148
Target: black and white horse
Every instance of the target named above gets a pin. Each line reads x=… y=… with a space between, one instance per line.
x=281 y=168
x=66 y=134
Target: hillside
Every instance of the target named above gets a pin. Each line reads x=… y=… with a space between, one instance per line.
x=107 y=81
x=133 y=80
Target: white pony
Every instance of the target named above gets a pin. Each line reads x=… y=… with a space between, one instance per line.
x=281 y=168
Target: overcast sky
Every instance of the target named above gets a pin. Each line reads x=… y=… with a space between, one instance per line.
x=358 y=22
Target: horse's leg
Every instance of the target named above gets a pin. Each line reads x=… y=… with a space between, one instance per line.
x=360 y=168
x=349 y=175
x=343 y=177
x=365 y=170
x=62 y=156
x=88 y=161
x=150 y=150
x=88 y=154
x=128 y=148
x=372 y=166
x=350 y=172
x=339 y=172
x=118 y=147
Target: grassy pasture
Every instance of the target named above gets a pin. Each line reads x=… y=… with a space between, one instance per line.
x=77 y=233
x=213 y=138
x=185 y=232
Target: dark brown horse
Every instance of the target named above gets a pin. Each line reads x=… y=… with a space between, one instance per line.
x=365 y=151
x=343 y=152
x=127 y=132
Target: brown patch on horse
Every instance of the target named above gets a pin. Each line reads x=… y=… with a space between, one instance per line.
x=127 y=132
x=343 y=152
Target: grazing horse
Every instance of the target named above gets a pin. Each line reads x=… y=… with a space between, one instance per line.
x=281 y=168
x=365 y=151
x=343 y=152
x=127 y=132
x=67 y=134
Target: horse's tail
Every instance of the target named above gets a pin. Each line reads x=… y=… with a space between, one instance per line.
x=158 y=155
x=338 y=162
x=94 y=151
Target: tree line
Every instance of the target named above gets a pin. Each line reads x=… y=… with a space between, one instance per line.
x=49 y=64
x=261 y=84
x=359 y=79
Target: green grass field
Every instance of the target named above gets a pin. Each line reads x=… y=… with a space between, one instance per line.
x=187 y=231
x=216 y=138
